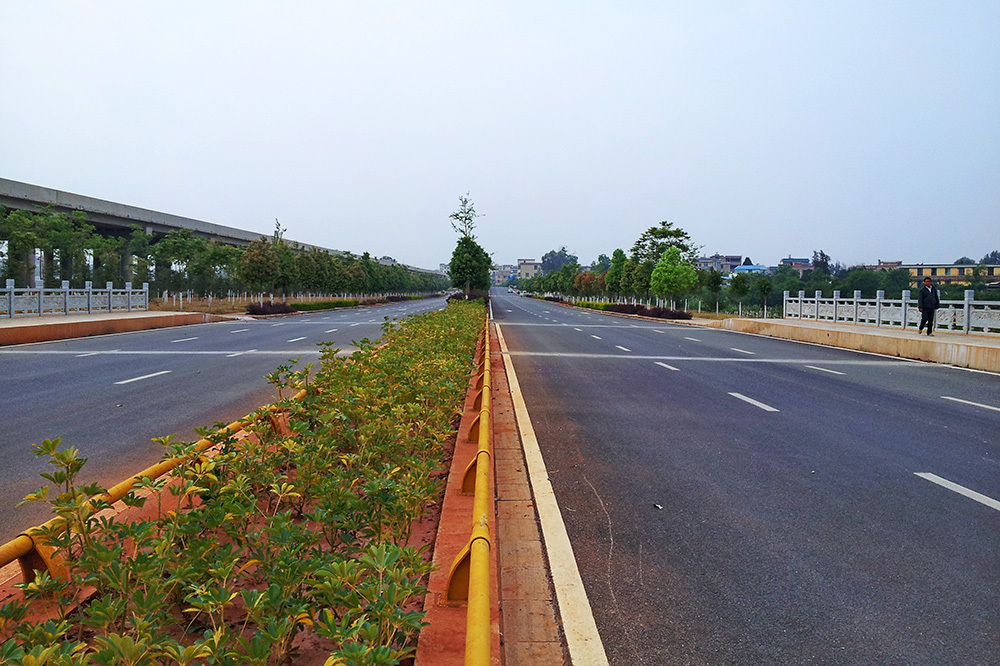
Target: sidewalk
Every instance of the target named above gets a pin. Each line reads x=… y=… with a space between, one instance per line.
x=24 y=330
x=978 y=352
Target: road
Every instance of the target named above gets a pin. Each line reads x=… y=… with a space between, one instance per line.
x=735 y=499
x=110 y=395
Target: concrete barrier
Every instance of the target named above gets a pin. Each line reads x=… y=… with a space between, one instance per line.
x=34 y=332
x=965 y=352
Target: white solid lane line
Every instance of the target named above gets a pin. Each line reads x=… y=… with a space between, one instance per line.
x=668 y=367
x=961 y=490
x=692 y=339
x=280 y=323
x=816 y=367
x=136 y=379
x=186 y=339
x=743 y=351
x=596 y=337
x=249 y=351
x=766 y=408
x=240 y=330
x=969 y=402
x=297 y=339
x=88 y=354
x=623 y=348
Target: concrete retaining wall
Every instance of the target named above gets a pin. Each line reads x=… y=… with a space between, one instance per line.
x=33 y=332
x=964 y=353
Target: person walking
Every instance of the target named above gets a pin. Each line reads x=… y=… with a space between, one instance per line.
x=928 y=302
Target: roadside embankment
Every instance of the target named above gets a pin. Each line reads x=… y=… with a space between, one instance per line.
x=966 y=351
x=60 y=327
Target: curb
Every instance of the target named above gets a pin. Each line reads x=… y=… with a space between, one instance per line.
x=28 y=333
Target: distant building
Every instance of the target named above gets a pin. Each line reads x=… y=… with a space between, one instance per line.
x=750 y=268
x=387 y=261
x=528 y=268
x=801 y=265
x=444 y=268
x=504 y=274
x=950 y=273
x=723 y=263
x=884 y=265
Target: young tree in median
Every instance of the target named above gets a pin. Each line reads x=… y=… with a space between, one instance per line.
x=613 y=278
x=672 y=276
x=470 y=264
x=654 y=242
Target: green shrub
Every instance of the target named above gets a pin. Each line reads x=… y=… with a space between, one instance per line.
x=274 y=535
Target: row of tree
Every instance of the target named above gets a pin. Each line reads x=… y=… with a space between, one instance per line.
x=661 y=264
x=179 y=261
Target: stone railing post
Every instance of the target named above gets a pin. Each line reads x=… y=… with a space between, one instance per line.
x=819 y=295
x=10 y=298
x=145 y=295
x=802 y=297
x=111 y=303
x=41 y=301
x=784 y=305
x=879 y=295
x=906 y=306
x=128 y=297
x=65 y=291
x=857 y=297
x=836 y=297
x=89 y=286
x=970 y=296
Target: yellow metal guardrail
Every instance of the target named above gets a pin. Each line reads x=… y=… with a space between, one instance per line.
x=34 y=555
x=469 y=577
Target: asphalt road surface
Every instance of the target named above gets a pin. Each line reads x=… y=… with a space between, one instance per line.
x=735 y=499
x=110 y=395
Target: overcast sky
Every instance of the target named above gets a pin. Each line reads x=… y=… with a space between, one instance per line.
x=868 y=129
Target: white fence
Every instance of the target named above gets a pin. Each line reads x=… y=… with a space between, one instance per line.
x=968 y=315
x=38 y=302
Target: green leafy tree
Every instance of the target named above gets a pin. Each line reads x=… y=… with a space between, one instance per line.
x=470 y=266
x=259 y=266
x=613 y=277
x=654 y=242
x=991 y=258
x=714 y=283
x=463 y=220
x=739 y=286
x=763 y=286
x=602 y=264
x=672 y=276
x=554 y=260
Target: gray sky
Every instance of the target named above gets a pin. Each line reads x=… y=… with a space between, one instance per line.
x=869 y=129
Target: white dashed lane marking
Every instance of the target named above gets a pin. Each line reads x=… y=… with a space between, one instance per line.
x=961 y=490
x=136 y=379
x=185 y=339
x=755 y=403
x=969 y=402
x=297 y=339
x=816 y=367
x=668 y=367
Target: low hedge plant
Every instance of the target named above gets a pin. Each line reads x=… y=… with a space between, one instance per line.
x=289 y=533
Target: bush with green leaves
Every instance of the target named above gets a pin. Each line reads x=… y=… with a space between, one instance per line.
x=273 y=535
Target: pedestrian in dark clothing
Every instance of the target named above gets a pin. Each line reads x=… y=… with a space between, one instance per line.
x=928 y=302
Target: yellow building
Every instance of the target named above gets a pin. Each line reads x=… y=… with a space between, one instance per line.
x=950 y=273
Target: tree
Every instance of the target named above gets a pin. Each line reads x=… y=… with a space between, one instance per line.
x=991 y=258
x=554 y=260
x=259 y=266
x=463 y=220
x=965 y=261
x=654 y=242
x=821 y=262
x=602 y=264
x=613 y=277
x=739 y=286
x=470 y=264
x=672 y=276
x=714 y=283
x=762 y=285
